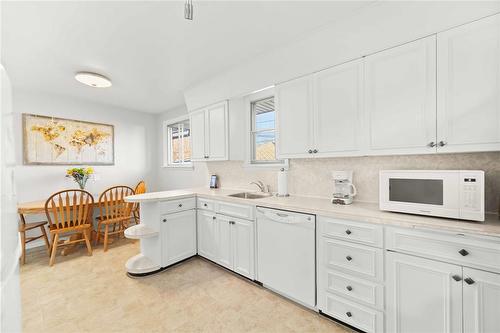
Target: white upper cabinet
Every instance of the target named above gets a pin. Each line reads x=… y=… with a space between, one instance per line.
x=294 y=118
x=481 y=295
x=338 y=121
x=320 y=115
x=400 y=99
x=209 y=128
x=197 y=122
x=469 y=87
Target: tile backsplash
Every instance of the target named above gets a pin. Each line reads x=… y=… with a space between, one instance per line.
x=312 y=177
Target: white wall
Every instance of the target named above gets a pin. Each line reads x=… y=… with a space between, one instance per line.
x=135 y=146
x=380 y=25
x=175 y=178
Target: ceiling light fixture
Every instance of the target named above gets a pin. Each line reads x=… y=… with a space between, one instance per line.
x=93 y=79
x=188 y=10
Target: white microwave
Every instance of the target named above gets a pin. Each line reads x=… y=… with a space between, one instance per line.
x=457 y=194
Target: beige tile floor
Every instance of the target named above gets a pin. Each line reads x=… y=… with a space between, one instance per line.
x=93 y=294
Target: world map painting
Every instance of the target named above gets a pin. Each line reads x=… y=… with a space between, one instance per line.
x=49 y=140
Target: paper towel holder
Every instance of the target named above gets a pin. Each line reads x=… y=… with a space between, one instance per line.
x=282 y=195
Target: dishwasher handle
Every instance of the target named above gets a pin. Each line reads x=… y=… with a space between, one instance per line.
x=285 y=218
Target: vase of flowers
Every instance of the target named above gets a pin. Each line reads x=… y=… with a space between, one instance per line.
x=80 y=175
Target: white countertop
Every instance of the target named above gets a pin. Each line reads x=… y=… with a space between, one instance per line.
x=360 y=211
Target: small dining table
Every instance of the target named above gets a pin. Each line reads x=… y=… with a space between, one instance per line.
x=38 y=207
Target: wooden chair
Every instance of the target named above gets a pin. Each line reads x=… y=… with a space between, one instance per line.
x=69 y=212
x=139 y=189
x=23 y=227
x=113 y=211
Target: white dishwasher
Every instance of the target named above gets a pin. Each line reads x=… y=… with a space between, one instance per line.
x=286 y=254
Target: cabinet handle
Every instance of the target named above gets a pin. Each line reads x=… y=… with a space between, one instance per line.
x=432 y=144
x=349 y=258
x=456 y=277
x=348 y=232
x=349 y=288
x=232 y=222
x=213 y=217
x=463 y=252
x=315 y=151
x=348 y=314
x=164 y=220
x=469 y=280
x=180 y=205
x=205 y=205
x=310 y=151
x=442 y=143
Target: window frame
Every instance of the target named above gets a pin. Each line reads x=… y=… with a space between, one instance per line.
x=250 y=161
x=167 y=144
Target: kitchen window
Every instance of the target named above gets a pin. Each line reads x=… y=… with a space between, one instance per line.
x=177 y=143
x=262 y=147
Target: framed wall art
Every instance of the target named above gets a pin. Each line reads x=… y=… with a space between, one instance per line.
x=58 y=141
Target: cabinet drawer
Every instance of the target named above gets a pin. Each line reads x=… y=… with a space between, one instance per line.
x=231 y=209
x=352 y=231
x=363 y=318
x=366 y=292
x=360 y=260
x=461 y=249
x=205 y=204
x=167 y=207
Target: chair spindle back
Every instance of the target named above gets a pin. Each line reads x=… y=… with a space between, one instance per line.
x=69 y=208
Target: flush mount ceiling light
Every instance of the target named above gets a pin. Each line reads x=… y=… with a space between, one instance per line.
x=188 y=10
x=93 y=79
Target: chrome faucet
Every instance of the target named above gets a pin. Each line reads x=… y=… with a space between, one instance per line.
x=263 y=188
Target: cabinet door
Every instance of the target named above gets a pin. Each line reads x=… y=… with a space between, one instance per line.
x=422 y=295
x=197 y=123
x=224 y=253
x=242 y=236
x=338 y=114
x=400 y=98
x=481 y=301
x=294 y=118
x=207 y=235
x=217 y=123
x=469 y=87
x=178 y=232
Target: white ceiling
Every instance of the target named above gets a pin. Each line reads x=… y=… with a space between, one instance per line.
x=150 y=52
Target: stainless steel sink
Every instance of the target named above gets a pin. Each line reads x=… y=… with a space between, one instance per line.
x=250 y=195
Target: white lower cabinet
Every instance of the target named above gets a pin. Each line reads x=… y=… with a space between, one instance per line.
x=243 y=240
x=441 y=293
x=423 y=295
x=178 y=232
x=481 y=303
x=207 y=246
x=228 y=241
x=223 y=241
x=350 y=275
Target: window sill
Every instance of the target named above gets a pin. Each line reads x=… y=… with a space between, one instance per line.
x=179 y=167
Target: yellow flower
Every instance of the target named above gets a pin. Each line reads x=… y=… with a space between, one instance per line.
x=69 y=171
x=89 y=170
